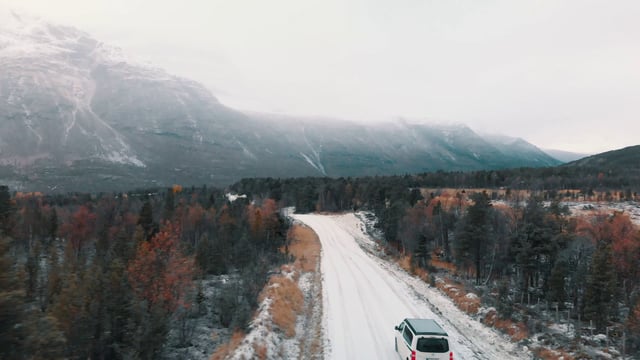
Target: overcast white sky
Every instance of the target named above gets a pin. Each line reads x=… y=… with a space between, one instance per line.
x=560 y=74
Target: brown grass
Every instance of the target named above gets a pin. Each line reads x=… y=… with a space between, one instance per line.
x=443 y=265
x=421 y=273
x=227 y=349
x=457 y=292
x=287 y=299
x=405 y=263
x=305 y=247
x=316 y=346
x=548 y=354
x=463 y=300
x=260 y=350
x=517 y=331
x=287 y=302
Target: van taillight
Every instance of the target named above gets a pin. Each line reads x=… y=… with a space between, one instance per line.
x=450 y=355
x=413 y=355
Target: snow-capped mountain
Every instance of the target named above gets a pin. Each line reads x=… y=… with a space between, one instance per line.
x=71 y=103
x=46 y=95
x=77 y=114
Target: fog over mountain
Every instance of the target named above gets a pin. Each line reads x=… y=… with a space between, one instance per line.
x=77 y=114
x=565 y=156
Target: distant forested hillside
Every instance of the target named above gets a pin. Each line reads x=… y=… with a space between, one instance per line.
x=626 y=159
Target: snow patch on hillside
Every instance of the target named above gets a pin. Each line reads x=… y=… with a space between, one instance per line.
x=318 y=166
x=121 y=158
x=314 y=158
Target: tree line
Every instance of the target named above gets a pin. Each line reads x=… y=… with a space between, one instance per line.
x=102 y=276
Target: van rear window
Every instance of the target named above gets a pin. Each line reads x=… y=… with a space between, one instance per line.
x=432 y=345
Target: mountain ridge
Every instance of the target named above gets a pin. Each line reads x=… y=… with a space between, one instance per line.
x=618 y=159
x=76 y=114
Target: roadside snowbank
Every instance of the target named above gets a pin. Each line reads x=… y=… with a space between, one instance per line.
x=287 y=324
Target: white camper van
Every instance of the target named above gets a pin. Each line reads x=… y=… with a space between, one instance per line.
x=422 y=339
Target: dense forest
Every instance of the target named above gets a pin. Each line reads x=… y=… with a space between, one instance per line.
x=102 y=276
x=518 y=246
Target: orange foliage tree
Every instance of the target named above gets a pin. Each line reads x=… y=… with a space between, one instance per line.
x=412 y=231
x=624 y=238
x=193 y=224
x=626 y=246
x=263 y=220
x=79 y=229
x=159 y=273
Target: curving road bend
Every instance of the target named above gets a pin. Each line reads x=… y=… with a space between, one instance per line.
x=364 y=297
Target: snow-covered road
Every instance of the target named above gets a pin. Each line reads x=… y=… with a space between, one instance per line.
x=364 y=297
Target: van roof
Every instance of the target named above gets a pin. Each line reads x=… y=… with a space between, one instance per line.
x=425 y=327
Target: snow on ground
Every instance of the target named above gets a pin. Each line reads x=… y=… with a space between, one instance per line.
x=588 y=208
x=264 y=341
x=261 y=334
x=630 y=208
x=233 y=197
x=204 y=333
x=364 y=297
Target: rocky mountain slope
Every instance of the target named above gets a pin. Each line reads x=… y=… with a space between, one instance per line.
x=76 y=114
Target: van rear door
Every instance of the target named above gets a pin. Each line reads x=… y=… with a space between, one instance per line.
x=433 y=348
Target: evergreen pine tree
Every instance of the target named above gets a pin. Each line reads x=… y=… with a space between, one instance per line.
x=145 y=220
x=601 y=288
x=11 y=304
x=169 y=205
x=52 y=229
x=472 y=237
x=6 y=211
x=557 y=292
x=43 y=340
